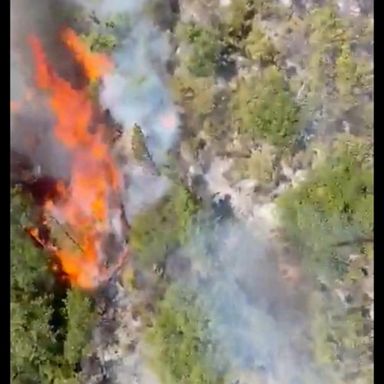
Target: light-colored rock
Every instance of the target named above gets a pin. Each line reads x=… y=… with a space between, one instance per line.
x=225 y=3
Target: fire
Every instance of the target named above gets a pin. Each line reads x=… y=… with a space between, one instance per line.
x=83 y=203
x=95 y=65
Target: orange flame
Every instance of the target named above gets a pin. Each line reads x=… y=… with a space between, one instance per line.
x=34 y=233
x=84 y=203
x=95 y=65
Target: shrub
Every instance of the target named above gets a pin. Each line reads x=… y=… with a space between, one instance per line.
x=164 y=227
x=260 y=165
x=333 y=205
x=205 y=48
x=196 y=94
x=99 y=42
x=181 y=340
x=263 y=108
x=327 y=33
x=340 y=339
x=45 y=345
x=80 y=320
x=260 y=47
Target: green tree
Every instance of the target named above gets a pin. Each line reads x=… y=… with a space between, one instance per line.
x=182 y=341
x=260 y=47
x=263 y=108
x=46 y=346
x=204 y=46
x=333 y=205
x=80 y=317
x=139 y=147
x=164 y=227
x=33 y=343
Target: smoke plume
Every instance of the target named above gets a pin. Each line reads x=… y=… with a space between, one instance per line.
x=31 y=124
x=135 y=93
x=259 y=324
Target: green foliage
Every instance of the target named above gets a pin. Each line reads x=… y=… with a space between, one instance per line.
x=326 y=26
x=237 y=22
x=338 y=74
x=327 y=33
x=240 y=13
x=264 y=109
x=182 y=341
x=340 y=339
x=100 y=42
x=29 y=268
x=346 y=70
x=139 y=148
x=260 y=165
x=331 y=58
x=37 y=325
x=80 y=320
x=163 y=227
x=205 y=48
x=33 y=342
x=196 y=94
x=334 y=204
x=260 y=47
x=351 y=76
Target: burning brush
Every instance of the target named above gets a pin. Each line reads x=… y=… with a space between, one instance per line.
x=82 y=224
x=73 y=259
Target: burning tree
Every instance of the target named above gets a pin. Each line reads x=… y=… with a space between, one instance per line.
x=82 y=214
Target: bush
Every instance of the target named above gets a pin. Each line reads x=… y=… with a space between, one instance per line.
x=335 y=204
x=205 y=49
x=99 y=42
x=181 y=340
x=264 y=109
x=260 y=47
x=340 y=340
x=327 y=33
x=46 y=345
x=80 y=317
x=164 y=227
x=260 y=165
x=195 y=93
x=352 y=76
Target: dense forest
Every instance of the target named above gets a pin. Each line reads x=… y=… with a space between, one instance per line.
x=281 y=93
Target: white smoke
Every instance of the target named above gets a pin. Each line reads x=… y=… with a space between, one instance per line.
x=253 y=318
x=144 y=189
x=136 y=93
